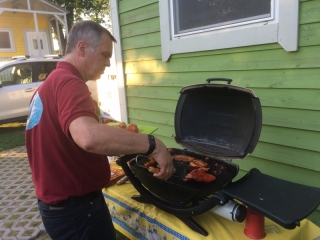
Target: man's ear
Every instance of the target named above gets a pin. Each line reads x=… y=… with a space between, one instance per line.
x=81 y=47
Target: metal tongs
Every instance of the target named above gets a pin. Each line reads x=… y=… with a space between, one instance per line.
x=137 y=161
x=125 y=179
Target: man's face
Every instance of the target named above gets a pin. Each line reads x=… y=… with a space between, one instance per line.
x=95 y=62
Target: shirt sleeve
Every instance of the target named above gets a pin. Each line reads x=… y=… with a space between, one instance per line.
x=74 y=101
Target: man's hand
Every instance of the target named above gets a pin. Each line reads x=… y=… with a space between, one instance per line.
x=164 y=159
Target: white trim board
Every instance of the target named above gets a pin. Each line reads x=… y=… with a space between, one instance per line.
x=119 y=59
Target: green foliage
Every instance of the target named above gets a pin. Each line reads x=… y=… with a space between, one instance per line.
x=96 y=10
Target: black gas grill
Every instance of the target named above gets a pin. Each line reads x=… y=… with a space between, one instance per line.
x=216 y=123
x=180 y=190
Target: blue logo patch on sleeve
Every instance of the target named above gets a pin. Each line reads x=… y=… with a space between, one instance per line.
x=35 y=112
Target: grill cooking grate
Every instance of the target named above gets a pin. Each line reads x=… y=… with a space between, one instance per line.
x=223 y=171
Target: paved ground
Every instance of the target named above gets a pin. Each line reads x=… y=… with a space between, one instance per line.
x=19 y=215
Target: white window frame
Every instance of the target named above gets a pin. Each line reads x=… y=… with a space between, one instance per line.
x=13 y=46
x=283 y=29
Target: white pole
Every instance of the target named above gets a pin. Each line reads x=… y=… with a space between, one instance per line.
x=59 y=37
x=119 y=59
x=66 y=25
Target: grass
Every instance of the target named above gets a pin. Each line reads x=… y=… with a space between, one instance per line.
x=11 y=136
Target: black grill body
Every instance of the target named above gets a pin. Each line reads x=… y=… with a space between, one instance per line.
x=220 y=122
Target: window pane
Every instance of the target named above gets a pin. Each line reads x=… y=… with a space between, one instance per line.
x=35 y=43
x=190 y=15
x=5 y=40
x=6 y=76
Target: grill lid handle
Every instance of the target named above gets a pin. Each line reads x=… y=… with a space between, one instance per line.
x=219 y=79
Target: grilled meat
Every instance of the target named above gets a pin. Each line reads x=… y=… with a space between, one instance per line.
x=199 y=175
x=153 y=169
x=183 y=158
x=198 y=163
x=150 y=162
x=203 y=168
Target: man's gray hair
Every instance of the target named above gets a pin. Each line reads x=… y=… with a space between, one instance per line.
x=87 y=31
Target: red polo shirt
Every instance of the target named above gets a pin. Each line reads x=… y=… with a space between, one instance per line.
x=60 y=168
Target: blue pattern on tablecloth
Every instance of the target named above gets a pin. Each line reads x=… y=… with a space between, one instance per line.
x=143 y=215
x=128 y=229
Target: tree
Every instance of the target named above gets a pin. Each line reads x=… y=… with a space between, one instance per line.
x=96 y=10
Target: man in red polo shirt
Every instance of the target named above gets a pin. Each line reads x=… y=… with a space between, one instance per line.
x=67 y=146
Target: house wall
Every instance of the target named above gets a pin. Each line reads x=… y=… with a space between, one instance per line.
x=18 y=22
x=287 y=83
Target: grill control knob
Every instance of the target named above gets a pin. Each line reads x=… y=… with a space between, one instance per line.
x=232 y=211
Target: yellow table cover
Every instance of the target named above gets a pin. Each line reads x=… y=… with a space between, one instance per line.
x=144 y=221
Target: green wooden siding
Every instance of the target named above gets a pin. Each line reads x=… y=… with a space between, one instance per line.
x=287 y=83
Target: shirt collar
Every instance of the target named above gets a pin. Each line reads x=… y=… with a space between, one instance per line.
x=70 y=67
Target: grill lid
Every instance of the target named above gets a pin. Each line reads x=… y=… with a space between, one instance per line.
x=218 y=120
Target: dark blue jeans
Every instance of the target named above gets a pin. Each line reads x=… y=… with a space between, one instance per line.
x=78 y=218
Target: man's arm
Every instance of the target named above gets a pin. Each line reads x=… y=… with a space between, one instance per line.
x=102 y=139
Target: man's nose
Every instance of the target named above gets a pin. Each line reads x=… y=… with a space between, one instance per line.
x=107 y=63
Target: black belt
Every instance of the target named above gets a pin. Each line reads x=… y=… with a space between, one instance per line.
x=77 y=199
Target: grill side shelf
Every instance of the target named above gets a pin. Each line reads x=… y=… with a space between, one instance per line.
x=284 y=202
